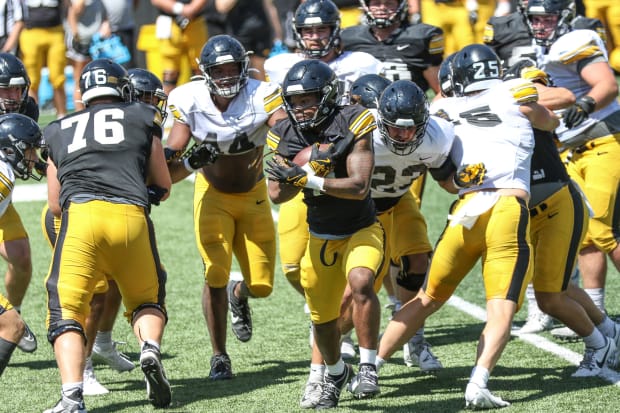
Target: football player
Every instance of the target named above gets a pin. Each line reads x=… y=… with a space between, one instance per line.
x=589 y=131
x=20 y=137
x=490 y=171
x=101 y=155
x=346 y=242
x=14 y=243
x=228 y=114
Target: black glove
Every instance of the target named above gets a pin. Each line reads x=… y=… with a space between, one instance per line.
x=181 y=21
x=526 y=69
x=320 y=161
x=80 y=47
x=156 y=193
x=580 y=111
x=470 y=175
x=286 y=172
x=40 y=166
x=201 y=155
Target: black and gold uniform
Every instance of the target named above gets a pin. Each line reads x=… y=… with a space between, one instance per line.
x=101 y=155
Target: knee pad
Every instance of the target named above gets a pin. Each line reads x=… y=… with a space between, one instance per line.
x=409 y=281
x=63 y=326
x=141 y=307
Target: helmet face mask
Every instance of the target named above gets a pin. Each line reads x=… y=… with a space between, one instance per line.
x=14 y=84
x=367 y=89
x=445 y=76
x=402 y=117
x=104 y=78
x=316 y=27
x=224 y=64
x=147 y=88
x=384 y=13
x=20 y=137
x=309 y=84
x=475 y=68
x=549 y=19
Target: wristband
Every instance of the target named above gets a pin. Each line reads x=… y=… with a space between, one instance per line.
x=315 y=182
x=188 y=166
x=177 y=8
x=502 y=8
x=471 y=5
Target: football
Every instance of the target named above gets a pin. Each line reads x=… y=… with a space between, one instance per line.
x=303 y=156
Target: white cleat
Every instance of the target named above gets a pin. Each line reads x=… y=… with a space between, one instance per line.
x=92 y=387
x=421 y=355
x=112 y=357
x=565 y=334
x=537 y=323
x=312 y=394
x=481 y=398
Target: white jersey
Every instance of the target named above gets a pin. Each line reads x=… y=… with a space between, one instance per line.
x=242 y=127
x=7 y=183
x=393 y=174
x=563 y=62
x=348 y=67
x=490 y=128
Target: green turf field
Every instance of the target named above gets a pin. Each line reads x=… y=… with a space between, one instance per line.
x=271 y=369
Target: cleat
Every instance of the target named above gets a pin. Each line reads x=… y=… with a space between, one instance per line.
x=565 y=334
x=481 y=398
x=221 y=368
x=92 y=387
x=332 y=387
x=72 y=403
x=312 y=394
x=28 y=342
x=112 y=357
x=157 y=385
x=240 y=316
x=347 y=348
x=594 y=360
x=366 y=383
x=536 y=323
x=421 y=355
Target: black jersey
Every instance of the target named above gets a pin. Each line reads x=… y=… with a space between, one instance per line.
x=547 y=166
x=406 y=54
x=31 y=109
x=329 y=215
x=102 y=152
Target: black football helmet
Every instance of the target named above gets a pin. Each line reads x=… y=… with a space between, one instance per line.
x=399 y=15
x=445 y=76
x=219 y=50
x=311 y=77
x=147 y=88
x=104 y=78
x=402 y=105
x=476 y=67
x=317 y=13
x=367 y=89
x=563 y=9
x=13 y=75
x=18 y=133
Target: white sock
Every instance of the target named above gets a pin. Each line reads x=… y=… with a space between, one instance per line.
x=418 y=337
x=532 y=305
x=479 y=376
x=151 y=342
x=368 y=356
x=598 y=296
x=103 y=339
x=595 y=340
x=68 y=388
x=607 y=327
x=336 y=369
x=317 y=371
x=379 y=362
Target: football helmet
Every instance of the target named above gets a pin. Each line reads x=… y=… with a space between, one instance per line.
x=147 y=88
x=402 y=105
x=311 y=77
x=476 y=67
x=313 y=13
x=13 y=75
x=445 y=76
x=18 y=134
x=104 y=78
x=219 y=50
x=367 y=89
x=382 y=20
x=553 y=21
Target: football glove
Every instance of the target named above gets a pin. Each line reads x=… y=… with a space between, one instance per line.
x=580 y=111
x=526 y=69
x=156 y=193
x=201 y=155
x=285 y=172
x=322 y=162
x=470 y=175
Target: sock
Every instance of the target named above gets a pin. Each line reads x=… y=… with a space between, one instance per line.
x=346 y=335
x=103 y=339
x=317 y=371
x=18 y=308
x=598 y=296
x=244 y=291
x=418 y=337
x=6 y=350
x=69 y=388
x=607 y=327
x=479 y=376
x=379 y=362
x=336 y=369
x=151 y=342
x=368 y=356
x=595 y=340
x=532 y=305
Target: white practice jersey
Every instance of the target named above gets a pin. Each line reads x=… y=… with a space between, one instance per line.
x=348 y=66
x=241 y=128
x=490 y=128
x=7 y=183
x=563 y=62
x=393 y=174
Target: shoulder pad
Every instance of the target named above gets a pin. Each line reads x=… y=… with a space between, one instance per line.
x=577 y=45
